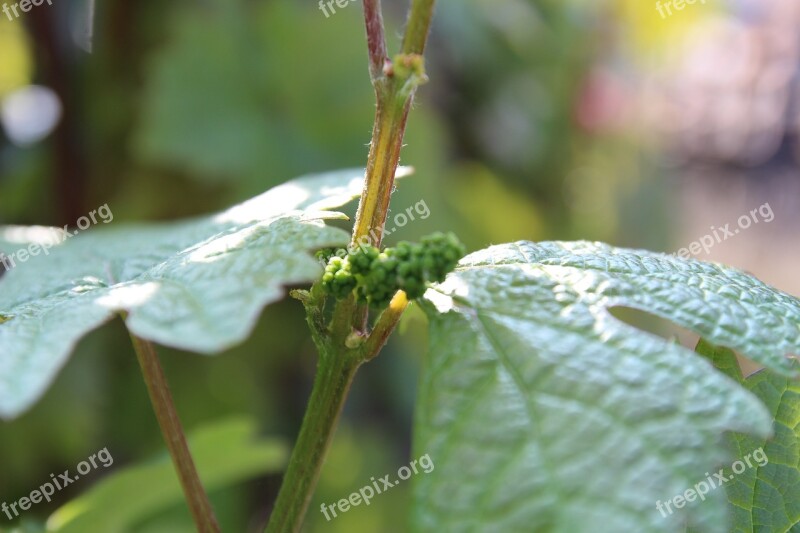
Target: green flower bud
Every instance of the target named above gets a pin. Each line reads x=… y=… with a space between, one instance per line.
x=376 y=276
x=337 y=278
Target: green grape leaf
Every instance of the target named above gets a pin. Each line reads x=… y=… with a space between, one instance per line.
x=543 y=412
x=763 y=489
x=197 y=285
x=225 y=453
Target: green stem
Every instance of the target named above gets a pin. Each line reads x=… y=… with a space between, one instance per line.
x=331 y=386
x=384 y=326
x=171 y=428
x=418 y=26
x=395 y=85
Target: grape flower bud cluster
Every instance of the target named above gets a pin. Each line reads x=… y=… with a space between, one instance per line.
x=376 y=276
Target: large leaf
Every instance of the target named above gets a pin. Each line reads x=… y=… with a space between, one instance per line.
x=197 y=285
x=764 y=490
x=225 y=453
x=543 y=412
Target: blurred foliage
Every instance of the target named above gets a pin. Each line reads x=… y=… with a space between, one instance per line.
x=225 y=453
x=15 y=63
x=188 y=107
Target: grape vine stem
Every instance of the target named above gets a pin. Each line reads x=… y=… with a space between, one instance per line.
x=167 y=416
x=395 y=82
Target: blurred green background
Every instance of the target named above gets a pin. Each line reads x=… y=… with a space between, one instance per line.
x=542 y=120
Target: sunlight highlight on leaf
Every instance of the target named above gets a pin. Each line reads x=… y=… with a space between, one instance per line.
x=198 y=285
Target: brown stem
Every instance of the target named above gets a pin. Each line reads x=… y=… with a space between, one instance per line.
x=171 y=428
x=384 y=158
x=395 y=86
x=376 y=42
